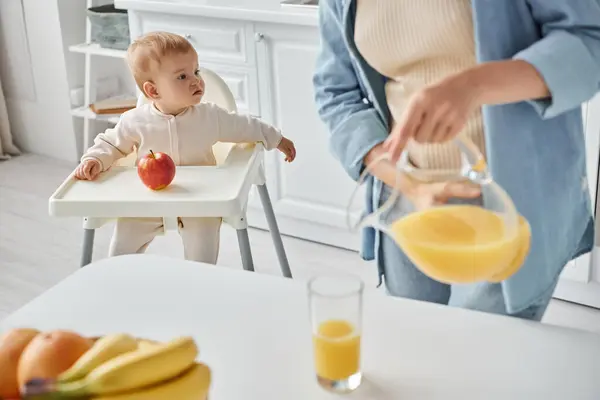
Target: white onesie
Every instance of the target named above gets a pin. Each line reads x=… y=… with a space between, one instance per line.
x=188 y=138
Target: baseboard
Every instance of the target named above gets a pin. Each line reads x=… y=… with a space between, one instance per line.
x=305 y=230
x=587 y=294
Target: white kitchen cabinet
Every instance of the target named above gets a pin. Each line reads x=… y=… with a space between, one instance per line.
x=224 y=46
x=309 y=195
x=216 y=40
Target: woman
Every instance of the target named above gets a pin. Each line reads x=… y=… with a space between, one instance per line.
x=511 y=75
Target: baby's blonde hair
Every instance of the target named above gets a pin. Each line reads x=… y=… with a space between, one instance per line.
x=145 y=53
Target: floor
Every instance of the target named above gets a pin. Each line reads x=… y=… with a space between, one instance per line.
x=37 y=251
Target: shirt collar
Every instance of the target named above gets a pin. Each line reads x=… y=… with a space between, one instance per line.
x=156 y=111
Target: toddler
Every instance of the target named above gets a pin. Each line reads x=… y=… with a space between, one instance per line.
x=165 y=68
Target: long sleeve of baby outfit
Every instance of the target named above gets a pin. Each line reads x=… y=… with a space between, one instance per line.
x=113 y=144
x=238 y=128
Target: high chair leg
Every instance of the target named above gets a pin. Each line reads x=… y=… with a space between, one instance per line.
x=88 y=246
x=245 y=252
x=275 y=234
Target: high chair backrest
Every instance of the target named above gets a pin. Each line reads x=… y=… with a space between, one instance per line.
x=216 y=92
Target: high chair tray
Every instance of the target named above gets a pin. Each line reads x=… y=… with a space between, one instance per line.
x=194 y=192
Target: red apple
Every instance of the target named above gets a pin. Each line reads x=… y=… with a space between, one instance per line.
x=156 y=170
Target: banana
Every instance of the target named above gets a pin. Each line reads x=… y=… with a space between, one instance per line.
x=105 y=348
x=135 y=370
x=146 y=344
x=191 y=385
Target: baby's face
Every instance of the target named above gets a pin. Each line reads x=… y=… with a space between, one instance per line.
x=178 y=82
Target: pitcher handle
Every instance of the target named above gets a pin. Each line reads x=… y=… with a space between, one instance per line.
x=370 y=220
x=474 y=166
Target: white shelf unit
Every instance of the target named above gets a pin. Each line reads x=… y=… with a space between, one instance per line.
x=95 y=50
x=91 y=51
x=86 y=113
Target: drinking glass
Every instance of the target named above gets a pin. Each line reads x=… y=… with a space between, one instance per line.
x=335 y=304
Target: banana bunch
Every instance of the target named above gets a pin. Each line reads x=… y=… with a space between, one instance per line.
x=121 y=367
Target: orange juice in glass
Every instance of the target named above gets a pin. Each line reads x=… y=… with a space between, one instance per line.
x=336 y=318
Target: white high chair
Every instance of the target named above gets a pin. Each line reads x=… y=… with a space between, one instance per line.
x=220 y=191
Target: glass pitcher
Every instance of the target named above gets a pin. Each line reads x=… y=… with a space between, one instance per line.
x=458 y=241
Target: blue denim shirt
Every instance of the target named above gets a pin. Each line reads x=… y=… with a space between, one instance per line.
x=535 y=149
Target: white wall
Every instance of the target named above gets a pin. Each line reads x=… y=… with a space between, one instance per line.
x=34 y=74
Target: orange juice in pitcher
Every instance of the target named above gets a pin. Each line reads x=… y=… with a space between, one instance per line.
x=461 y=243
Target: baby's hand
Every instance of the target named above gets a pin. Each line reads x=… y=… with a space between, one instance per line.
x=88 y=170
x=286 y=146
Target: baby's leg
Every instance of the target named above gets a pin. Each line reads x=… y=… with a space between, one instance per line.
x=201 y=237
x=133 y=235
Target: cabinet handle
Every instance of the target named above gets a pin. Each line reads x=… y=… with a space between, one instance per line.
x=188 y=36
x=259 y=37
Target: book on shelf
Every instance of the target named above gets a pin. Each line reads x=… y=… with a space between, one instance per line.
x=114 y=105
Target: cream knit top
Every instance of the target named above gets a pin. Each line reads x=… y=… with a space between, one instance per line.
x=415 y=43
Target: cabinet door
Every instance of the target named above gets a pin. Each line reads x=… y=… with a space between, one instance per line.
x=309 y=195
x=243 y=83
x=580 y=281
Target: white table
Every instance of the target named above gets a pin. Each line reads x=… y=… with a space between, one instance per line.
x=253 y=331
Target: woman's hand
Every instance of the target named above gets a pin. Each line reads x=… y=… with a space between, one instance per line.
x=422 y=195
x=438 y=112
x=426 y=195
x=435 y=114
